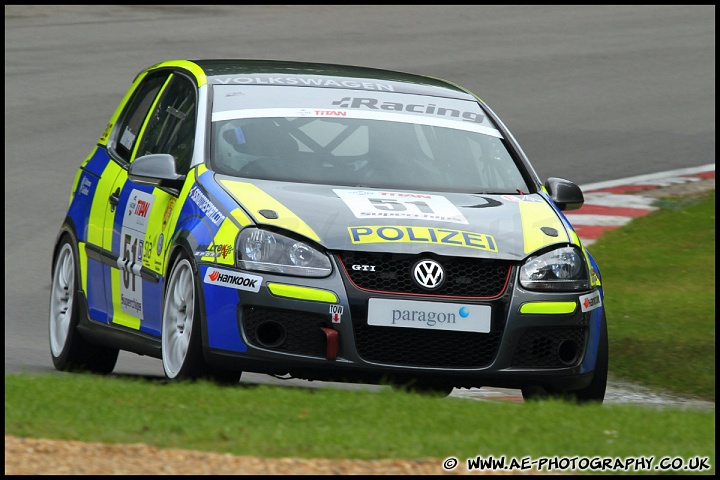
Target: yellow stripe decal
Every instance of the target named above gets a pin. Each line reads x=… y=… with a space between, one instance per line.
x=100 y=207
x=192 y=67
x=222 y=249
x=547 y=308
x=160 y=214
x=594 y=279
x=575 y=239
x=534 y=216
x=302 y=293
x=82 y=260
x=255 y=200
x=239 y=215
x=122 y=318
x=78 y=174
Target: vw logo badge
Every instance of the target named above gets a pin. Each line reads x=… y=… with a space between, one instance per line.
x=429 y=274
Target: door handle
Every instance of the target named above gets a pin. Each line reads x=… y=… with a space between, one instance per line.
x=114 y=199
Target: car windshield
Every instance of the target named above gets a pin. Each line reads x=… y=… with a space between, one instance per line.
x=364 y=148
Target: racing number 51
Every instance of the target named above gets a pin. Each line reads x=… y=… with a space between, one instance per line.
x=130 y=252
x=395 y=206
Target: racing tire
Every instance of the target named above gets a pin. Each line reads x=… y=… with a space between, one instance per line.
x=69 y=350
x=594 y=392
x=181 y=338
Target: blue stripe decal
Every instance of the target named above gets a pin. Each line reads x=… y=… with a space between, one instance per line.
x=97 y=303
x=79 y=209
x=152 y=307
x=221 y=306
x=98 y=162
x=594 y=340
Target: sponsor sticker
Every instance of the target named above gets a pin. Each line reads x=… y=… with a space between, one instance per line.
x=128 y=138
x=168 y=212
x=133 y=250
x=106 y=133
x=232 y=279
x=85 y=186
x=521 y=198
x=214 y=251
x=235 y=98
x=138 y=210
x=336 y=312
x=389 y=204
x=590 y=301
x=429 y=315
x=304 y=81
x=206 y=206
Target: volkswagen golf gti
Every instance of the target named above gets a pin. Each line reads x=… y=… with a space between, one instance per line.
x=323 y=222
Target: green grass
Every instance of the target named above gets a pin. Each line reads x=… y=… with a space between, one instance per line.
x=272 y=421
x=659 y=282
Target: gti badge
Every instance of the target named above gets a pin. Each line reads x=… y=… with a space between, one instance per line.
x=364 y=268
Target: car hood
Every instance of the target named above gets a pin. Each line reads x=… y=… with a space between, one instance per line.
x=403 y=221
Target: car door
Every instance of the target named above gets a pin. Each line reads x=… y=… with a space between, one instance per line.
x=140 y=227
x=109 y=162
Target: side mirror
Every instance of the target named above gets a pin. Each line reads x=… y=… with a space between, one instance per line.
x=154 y=169
x=565 y=194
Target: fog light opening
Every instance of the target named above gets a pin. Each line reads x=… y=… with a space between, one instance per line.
x=568 y=352
x=270 y=334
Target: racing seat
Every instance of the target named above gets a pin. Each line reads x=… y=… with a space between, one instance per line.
x=255 y=147
x=261 y=138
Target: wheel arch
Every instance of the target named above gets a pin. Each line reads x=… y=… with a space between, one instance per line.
x=183 y=246
x=67 y=229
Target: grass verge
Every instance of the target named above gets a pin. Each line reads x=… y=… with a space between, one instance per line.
x=273 y=421
x=659 y=282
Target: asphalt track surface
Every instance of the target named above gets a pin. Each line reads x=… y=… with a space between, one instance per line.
x=592 y=93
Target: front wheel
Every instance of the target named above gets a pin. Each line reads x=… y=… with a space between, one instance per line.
x=595 y=391
x=69 y=350
x=181 y=339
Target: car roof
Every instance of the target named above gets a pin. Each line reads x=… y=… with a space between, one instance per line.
x=407 y=82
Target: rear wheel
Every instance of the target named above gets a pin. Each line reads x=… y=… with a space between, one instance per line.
x=69 y=350
x=181 y=339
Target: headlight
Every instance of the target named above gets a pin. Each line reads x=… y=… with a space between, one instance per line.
x=266 y=251
x=560 y=270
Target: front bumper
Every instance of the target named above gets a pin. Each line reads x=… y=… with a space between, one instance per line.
x=332 y=341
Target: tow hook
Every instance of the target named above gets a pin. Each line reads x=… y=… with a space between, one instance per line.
x=332 y=343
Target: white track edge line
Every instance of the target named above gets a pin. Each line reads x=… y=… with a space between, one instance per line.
x=650 y=177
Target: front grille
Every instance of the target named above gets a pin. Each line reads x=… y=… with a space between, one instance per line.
x=426 y=348
x=303 y=333
x=550 y=348
x=392 y=273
